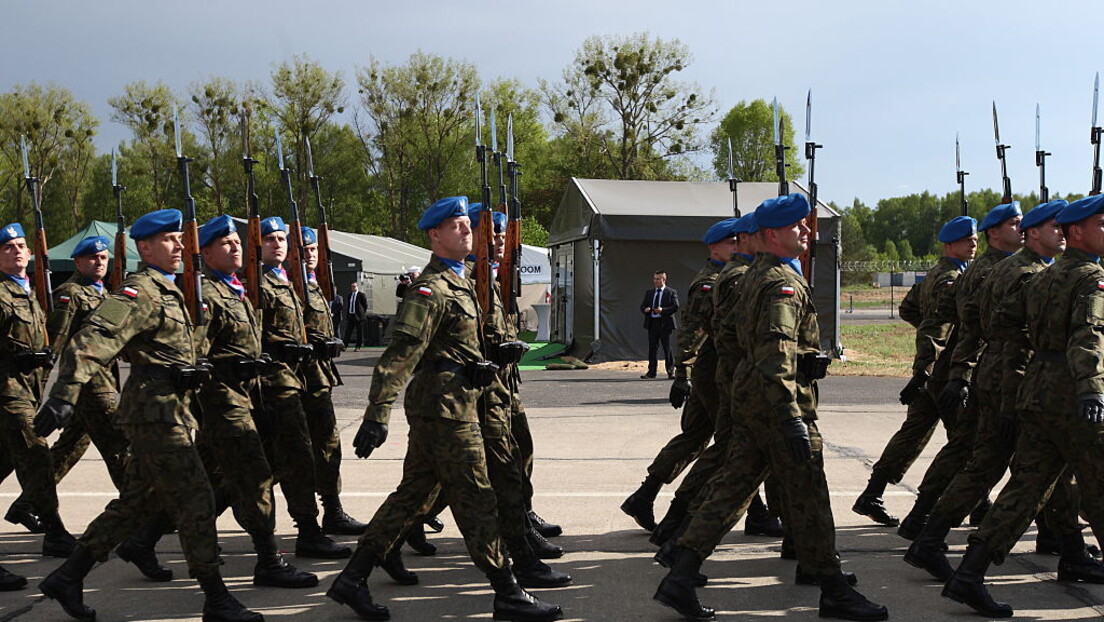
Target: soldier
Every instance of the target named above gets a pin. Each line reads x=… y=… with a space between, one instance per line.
x=25 y=359
x=73 y=301
x=146 y=321
x=284 y=420
x=1002 y=232
x=436 y=345
x=935 y=339
x=779 y=334
x=1061 y=411
x=237 y=465
x=321 y=377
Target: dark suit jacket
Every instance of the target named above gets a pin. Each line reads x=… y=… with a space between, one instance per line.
x=361 y=305
x=668 y=302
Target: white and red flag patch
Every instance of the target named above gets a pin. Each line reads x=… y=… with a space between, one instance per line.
x=425 y=291
x=787 y=290
x=64 y=299
x=707 y=287
x=130 y=292
x=1100 y=284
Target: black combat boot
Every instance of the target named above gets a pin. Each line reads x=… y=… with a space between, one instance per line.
x=543 y=527
x=394 y=567
x=759 y=521
x=10 y=582
x=56 y=540
x=870 y=502
x=543 y=548
x=927 y=550
x=1076 y=564
x=639 y=504
x=788 y=551
x=435 y=524
x=980 y=510
x=668 y=527
x=336 y=522
x=313 y=544
x=677 y=588
x=514 y=604
x=665 y=557
x=841 y=601
x=917 y=516
x=967 y=584
x=351 y=587
x=272 y=570
x=21 y=512
x=66 y=584
x=1046 y=542
x=530 y=571
x=140 y=549
x=220 y=605
x=416 y=538
x=807 y=578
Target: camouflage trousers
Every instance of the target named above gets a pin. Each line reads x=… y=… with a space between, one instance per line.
x=1048 y=444
x=506 y=476
x=450 y=454
x=92 y=423
x=523 y=440
x=757 y=449
x=906 y=444
x=290 y=452
x=235 y=461
x=163 y=471
x=955 y=453
x=27 y=454
x=699 y=420
x=325 y=441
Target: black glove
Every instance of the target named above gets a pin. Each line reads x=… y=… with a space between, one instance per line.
x=1091 y=407
x=1008 y=427
x=953 y=397
x=796 y=435
x=482 y=373
x=510 y=353
x=680 y=392
x=52 y=415
x=371 y=434
x=913 y=388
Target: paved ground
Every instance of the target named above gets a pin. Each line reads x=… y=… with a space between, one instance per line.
x=596 y=432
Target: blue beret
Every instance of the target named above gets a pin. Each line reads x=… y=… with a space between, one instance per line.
x=957 y=228
x=10 y=232
x=782 y=211
x=272 y=223
x=999 y=214
x=91 y=245
x=162 y=221
x=1042 y=213
x=1081 y=209
x=217 y=227
x=309 y=236
x=498 y=221
x=447 y=207
x=720 y=231
x=746 y=224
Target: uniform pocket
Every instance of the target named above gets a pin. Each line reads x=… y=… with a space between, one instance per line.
x=458 y=441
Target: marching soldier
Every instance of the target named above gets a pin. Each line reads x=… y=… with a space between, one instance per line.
x=436 y=345
x=146 y=320
x=936 y=335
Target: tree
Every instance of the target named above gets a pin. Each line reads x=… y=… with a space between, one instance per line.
x=149 y=160
x=750 y=127
x=305 y=96
x=217 y=106
x=890 y=252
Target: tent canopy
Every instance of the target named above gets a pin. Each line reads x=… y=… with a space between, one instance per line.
x=59 y=254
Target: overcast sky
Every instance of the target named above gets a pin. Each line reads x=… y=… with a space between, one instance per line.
x=892 y=81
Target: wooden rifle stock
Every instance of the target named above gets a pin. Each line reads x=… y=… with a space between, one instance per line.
x=324 y=273
x=42 y=288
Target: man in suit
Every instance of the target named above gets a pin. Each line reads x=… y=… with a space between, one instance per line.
x=357 y=307
x=659 y=307
x=337 y=311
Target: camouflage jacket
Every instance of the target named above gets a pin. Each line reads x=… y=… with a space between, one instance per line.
x=726 y=292
x=969 y=298
x=281 y=322
x=936 y=336
x=73 y=301
x=319 y=374
x=1064 y=307
x=1005 y=326
x=231 y=334
x=22 y=324
x=776 y=323
x=695 y=337
x=436 y=334
x=146 y=321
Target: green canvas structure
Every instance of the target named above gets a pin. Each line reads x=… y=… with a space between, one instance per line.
x=59 y=254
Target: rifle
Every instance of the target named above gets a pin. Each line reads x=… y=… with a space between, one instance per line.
x=960 y=175
x=1095 y=138
x=118 y=267
x=484 y=255
x=324 y=272
x=733 y=182
x=193 y=263
x=509 y=272
x=1040 y=161
x=252 y=266
x=295 y=255
x=44 y=291
x=809 y=260
x=1001 y=148
x=779 y=154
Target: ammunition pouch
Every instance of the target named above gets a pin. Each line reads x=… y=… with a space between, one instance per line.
x=290 y=353
x=26 y=361
x=480 y=373
x=182 y=377
x=327 y=349
x=813 y=365
x=509 y=353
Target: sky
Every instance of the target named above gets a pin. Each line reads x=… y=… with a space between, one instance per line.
x=892 y=81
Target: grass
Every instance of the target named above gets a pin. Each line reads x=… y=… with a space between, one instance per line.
x=876 y=350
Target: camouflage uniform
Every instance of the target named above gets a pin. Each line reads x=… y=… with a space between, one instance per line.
x=436 y=336
x=1064 y=316
x=774 y=324
x=147 y=322
x=321 y=377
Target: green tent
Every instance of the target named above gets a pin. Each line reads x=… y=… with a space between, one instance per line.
x=59 y=254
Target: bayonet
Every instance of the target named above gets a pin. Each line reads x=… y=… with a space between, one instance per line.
x=192 y=284
x=252 y=266
x=960 y=177
x=1006 y=183
x=324 y=271
x=295 y=254
x=1094 y=137
x=779 y=152
x=118 y=267
x=44 y=291
x=808 y=262
x=1040 y=160
x=733 y=183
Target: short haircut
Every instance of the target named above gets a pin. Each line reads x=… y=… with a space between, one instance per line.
x=659 y=272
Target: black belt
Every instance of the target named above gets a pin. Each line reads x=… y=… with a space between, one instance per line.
x=183 y=377
x=1050 y=356
x=440 y=365
x=155 y=372
x=235 y=368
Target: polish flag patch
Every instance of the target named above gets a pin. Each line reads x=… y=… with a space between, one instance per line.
x=707 y=287
x=787 y=290
x=1100 y=284
x=130 y=292
x=64 y=299
x=425 y=291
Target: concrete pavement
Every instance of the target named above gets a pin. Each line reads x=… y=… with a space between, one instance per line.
x=596 y=432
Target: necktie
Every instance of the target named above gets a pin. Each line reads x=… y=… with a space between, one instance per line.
x=655 y=302
x=352 y=302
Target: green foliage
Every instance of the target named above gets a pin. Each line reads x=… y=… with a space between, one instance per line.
x=532 y=232
x=750 y=127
